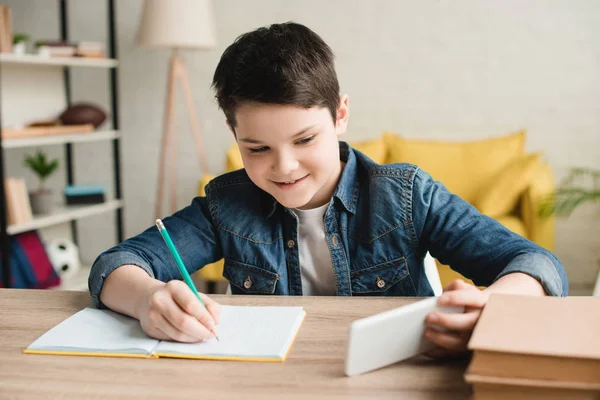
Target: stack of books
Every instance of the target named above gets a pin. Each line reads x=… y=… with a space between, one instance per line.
x=91 y=49
x=55 y=48
x=58 y=48
x=527 y=347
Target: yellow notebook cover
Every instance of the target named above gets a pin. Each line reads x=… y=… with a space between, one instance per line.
x=245 y=334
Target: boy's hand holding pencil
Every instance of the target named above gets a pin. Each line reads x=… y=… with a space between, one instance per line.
x=171 y=311
x=175 y=310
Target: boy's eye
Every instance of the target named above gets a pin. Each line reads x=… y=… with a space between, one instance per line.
x=306 y=140
x=259 y=149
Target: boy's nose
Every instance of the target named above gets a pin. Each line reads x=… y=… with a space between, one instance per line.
x=285 y=165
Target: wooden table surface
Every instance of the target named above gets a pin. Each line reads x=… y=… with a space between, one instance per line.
x=314 y=367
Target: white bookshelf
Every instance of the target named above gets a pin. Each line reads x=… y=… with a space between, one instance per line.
x=62 y=214
x=60 y=139
x=9 y=58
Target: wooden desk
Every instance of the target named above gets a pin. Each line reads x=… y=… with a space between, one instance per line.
x=314 y=368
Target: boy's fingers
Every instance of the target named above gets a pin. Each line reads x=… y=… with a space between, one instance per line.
x=172 y=333
x=454 y=285
x=182 y=319
x=458 y=284
x=212 y=306
x=454 y=322
x=187 y=300
x=466 y=298
x=451 y=341
x=185 y=323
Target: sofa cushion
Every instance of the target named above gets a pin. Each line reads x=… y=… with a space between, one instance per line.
x=500 y=195
x=463 y=167
x=375 y=149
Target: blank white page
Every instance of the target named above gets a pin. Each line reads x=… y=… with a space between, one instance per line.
x=244 y=333
x=96 y=331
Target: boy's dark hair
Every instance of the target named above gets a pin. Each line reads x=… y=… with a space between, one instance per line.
x=281 y=64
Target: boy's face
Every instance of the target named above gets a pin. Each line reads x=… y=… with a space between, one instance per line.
x=292 y=153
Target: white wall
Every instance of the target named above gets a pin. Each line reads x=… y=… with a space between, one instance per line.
x=427 y=69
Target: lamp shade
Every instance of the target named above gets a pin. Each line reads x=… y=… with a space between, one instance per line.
x=177 y=23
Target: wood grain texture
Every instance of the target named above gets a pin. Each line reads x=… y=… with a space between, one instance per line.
x=314 y=368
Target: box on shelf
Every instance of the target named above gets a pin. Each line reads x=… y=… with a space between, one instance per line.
x=84 y=194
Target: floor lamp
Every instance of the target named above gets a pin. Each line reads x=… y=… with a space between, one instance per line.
x=176 y=24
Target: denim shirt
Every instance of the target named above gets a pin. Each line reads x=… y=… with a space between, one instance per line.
x=380 y=222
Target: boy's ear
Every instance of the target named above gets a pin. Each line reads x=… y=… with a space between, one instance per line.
x=342 y=115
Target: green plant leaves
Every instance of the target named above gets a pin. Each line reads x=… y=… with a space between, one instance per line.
x=40 y=165
x=582 y=185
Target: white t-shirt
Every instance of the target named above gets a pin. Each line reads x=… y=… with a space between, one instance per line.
x=315 y=261
x=316 y=268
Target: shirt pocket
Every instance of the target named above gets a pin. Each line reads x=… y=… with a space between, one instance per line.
x=250 y=278
x=379 y=278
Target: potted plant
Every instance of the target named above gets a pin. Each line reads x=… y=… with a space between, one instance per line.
x=41 y=198
x=20 y=43
x=581 y=186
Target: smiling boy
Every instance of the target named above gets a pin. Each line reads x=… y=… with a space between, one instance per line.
x=308 y=215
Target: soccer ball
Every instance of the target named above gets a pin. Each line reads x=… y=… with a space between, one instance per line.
x=64 y=256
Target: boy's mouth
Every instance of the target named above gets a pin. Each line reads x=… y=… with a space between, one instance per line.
x=289 y=184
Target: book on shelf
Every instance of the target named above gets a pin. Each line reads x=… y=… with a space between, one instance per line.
x=6 y=34
x=89 y=49
x=536 y=345
x=30 y=265
x=39 y=131
x=18 y=208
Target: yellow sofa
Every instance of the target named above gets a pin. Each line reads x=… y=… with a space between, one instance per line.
x=495 y=175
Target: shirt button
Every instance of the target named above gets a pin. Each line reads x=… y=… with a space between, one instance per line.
x=248 y=283
x=334 y=240
x=291 y=244
x=380 y=283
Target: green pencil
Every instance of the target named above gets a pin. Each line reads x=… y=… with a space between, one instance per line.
x=186 y=276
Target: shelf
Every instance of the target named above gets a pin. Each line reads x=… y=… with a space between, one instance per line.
x=9 y=58
x=60 y=139
x=64 y=214
x=76 y=282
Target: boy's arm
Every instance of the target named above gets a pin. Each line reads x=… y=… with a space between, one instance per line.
x=125 y=287
x=195 y=237
x=475 y=245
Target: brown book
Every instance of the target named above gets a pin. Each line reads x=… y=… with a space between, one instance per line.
x=45 y=131
x=25 y=213
x=18 y=208
x=12 y=216
x=6 y=34
x=551 y=340
x=503 y=389
x=2 y=28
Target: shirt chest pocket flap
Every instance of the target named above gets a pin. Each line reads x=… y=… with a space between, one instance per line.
x=250 y=278
x=380 y=277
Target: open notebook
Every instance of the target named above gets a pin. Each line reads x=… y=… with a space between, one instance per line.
x=245 y=333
